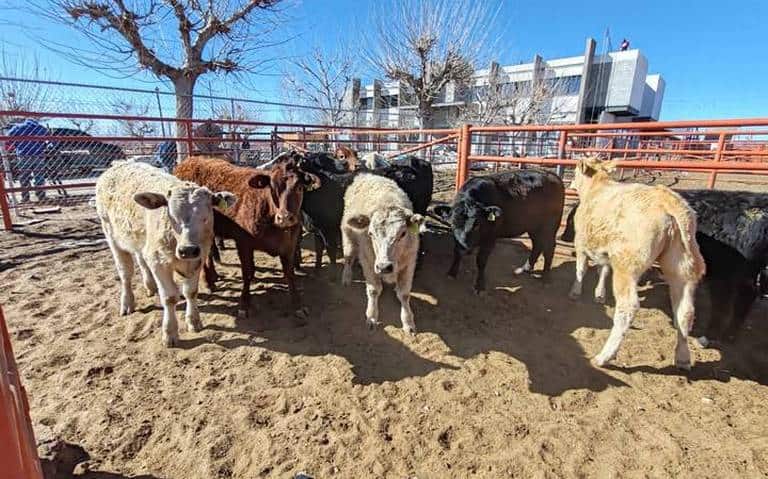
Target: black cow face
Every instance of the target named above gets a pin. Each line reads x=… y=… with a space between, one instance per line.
x=471 y=221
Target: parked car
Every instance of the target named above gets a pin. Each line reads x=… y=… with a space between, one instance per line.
x=79 y=158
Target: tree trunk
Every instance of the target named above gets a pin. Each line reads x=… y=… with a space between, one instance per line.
x=425 y=118
x=184 y=87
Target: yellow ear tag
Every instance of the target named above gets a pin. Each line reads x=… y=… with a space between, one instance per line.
x=414 y=228
x=222 y=204
x=491 y=216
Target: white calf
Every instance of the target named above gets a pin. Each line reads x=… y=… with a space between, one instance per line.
x=166 y=225
x=380 y=229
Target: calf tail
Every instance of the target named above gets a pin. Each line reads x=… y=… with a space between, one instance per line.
x=685 y=218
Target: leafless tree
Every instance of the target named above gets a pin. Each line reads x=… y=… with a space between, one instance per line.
x=174 y=40
x=22 y=96
x=321 y=80
x=500 y=100
x=134 y=128
x=428 y=44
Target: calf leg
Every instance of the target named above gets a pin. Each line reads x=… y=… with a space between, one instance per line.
x=745 y=297
x=403 y=291
x=721 y=296
x=209 y=273
x=681 y=293
x=350 y=253
x=191 y=314
x=581 y=269
x=247 y=269
x=600 y=288
x=169 y=295
x=527 y=267
x=290 y=279
x=548 y=243
x=454 y=269
x=319 y=247
x=482 y=260
x=124 y=265
x=627 y=304
x=146 y=275
x=373 y=289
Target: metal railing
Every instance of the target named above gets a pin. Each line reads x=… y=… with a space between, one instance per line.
x=715 y=147
x=60 y=167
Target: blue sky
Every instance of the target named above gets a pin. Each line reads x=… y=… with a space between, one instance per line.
x=711 y=54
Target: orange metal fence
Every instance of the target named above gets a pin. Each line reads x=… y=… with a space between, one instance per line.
x=72 y=160
x=713 y=146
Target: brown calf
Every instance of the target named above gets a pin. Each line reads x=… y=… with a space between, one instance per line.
x=266 y=216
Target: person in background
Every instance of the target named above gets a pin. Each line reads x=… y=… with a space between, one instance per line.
x=29 y=155
x=624 y=45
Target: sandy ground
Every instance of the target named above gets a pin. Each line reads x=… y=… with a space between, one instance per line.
x=498 y=385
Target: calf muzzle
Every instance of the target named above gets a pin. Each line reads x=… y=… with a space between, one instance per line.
x=188 y=252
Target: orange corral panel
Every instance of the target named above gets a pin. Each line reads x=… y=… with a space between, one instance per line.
x=18 y=452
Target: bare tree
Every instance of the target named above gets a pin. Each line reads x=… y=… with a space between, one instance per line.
x=498 y=99
x=175 y=40
x=321 y=80
x=25 y=94
x=133 y=128
x=427 y=44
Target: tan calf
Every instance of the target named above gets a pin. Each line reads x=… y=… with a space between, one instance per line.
x=629 y=227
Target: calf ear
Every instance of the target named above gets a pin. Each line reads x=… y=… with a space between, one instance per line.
x=259 y=180
x=150 y=201
x=414 y=222
x=359 y=222
x=311 y=182
x=223 y=200
x=443 y=211
x=493 y=213
x=587 y=166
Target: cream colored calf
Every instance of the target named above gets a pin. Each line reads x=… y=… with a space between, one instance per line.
x=629 y=227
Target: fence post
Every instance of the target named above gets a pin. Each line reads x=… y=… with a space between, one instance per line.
x=465 y=147
x=561 y=150
x=233 y=133
x=7 y=223
x=190 y=143
x=718 y=157
x=273 y=142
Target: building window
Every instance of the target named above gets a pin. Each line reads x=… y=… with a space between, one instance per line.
x=390 y=101
x=565 y=85
x=366 y=103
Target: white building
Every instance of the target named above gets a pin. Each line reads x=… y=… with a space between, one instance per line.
x=614 y=87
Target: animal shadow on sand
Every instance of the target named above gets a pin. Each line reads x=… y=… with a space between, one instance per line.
x=745 y=358
x=335 y=326
x=521 y=316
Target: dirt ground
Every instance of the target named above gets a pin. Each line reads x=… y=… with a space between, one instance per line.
x=498 y=385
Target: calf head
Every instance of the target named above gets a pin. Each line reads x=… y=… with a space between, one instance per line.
x=286 y=184
x=470 y=221
x=190 y=210
x=348 y=155
x=589 y=170
x=317 y=163
x=391 y=230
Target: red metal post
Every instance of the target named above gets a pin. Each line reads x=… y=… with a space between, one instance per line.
x=561 y=144
x=6 y=210
x=718 y=157
x=190 y=143
x=465 y=146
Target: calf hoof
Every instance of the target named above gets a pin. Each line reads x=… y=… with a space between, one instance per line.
x=410 y=330
x=452 y=273
x=598 y=299
x=170 y=341
x=373 y=324
x=575 y=296
x=684 y=365
x=704 y=342
x=479 y=291
x=600 y=360
x=521 y=270
x=194 y=325
x=127 y=309
x=242 y=313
